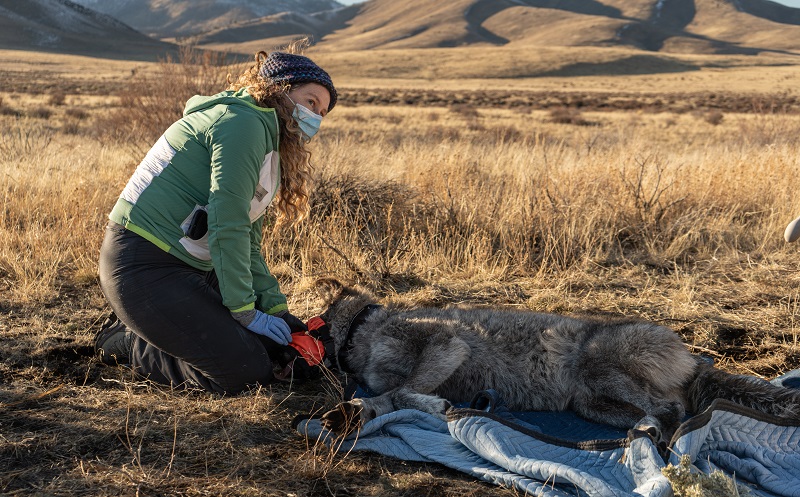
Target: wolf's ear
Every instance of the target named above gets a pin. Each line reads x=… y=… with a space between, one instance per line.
x=329 y=289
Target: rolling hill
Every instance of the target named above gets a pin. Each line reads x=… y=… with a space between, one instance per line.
x=279 y=29
x=704 y=26
x=64 y=26
x=693 y=26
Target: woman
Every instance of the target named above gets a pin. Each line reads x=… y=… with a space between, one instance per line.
x=181 y=262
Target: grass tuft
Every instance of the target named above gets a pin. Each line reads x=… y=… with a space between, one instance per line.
x=688 y=483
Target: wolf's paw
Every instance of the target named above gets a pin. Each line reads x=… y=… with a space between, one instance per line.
x=651 y=427
x=440 y=409
x=344 y=419
x=366 y=411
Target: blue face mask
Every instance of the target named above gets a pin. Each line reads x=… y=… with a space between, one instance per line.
x=308 y=121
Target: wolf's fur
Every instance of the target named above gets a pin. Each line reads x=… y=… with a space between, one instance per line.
x=626 y=374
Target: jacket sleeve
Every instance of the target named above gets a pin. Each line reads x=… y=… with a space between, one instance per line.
x=269 y=297
x=237 y=148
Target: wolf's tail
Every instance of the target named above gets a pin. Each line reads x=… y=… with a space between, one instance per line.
x=711 y=384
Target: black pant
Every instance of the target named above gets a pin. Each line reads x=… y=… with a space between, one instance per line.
x=183 y=335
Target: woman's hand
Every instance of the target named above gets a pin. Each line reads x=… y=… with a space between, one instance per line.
x=271 y=327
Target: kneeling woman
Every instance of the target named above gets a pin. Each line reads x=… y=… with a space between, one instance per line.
x=181 y=263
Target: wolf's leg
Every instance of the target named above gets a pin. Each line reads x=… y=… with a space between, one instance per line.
x=406 y=398
x=621 y=402
x=610 y=411
x=438 y=361
x=350 y=415
x=435 y=364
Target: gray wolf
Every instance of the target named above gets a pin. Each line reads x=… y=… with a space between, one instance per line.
x=628 y=374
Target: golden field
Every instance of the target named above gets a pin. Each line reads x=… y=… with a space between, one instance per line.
x=674 y=217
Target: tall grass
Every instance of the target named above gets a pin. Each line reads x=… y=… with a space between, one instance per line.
x=150 y=101
x=401 y=197
x=543 y=202
x=55 y=195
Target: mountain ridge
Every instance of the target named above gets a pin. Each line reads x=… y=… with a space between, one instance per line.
x=182 y=18
x=64 y=26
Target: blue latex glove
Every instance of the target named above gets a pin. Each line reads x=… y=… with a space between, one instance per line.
x=271 y=327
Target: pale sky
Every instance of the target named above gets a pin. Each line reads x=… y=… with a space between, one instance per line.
x=790 y=3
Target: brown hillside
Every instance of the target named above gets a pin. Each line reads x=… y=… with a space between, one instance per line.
x=274 y=31
x=694 y=26
x=553 y=27
x=721 y=20
x=410 y=24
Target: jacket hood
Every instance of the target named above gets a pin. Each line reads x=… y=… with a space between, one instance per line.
x=239 y=98
x=200 y=102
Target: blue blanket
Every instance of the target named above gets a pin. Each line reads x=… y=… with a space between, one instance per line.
x=560 y=454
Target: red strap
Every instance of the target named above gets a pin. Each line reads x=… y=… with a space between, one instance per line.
x=315 y=323
x=309 y=348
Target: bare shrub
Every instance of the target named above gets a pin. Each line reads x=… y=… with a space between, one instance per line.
x=364 y=224
x=475 y=126
x=648 y=189
x=465 y=110
x=40 y=113
x=76 y=113
x=504 y=134
x=392 y=119
x=567 y=115
x=357 y=118
x=71 y=127
x=9 y=111
x=443 y=133
x=23 y=138
x=57 y=97
x=714 y=117
x=151 y=103
x=348 y=193
x=768 y=128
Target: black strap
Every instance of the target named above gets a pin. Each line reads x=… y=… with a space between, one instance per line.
x=357 y=321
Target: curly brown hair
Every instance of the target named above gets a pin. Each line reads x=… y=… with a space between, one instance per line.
x=292 y=199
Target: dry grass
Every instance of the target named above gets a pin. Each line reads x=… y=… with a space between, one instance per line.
x=687 y=483
x=664 y=216
x=593 y=69
x=448 y=69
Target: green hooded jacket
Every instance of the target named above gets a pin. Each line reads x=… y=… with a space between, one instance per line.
x=221 y=157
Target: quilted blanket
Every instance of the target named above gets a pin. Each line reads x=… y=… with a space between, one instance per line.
x=560 y=454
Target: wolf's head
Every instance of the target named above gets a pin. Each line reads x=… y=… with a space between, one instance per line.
x=343 y=304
